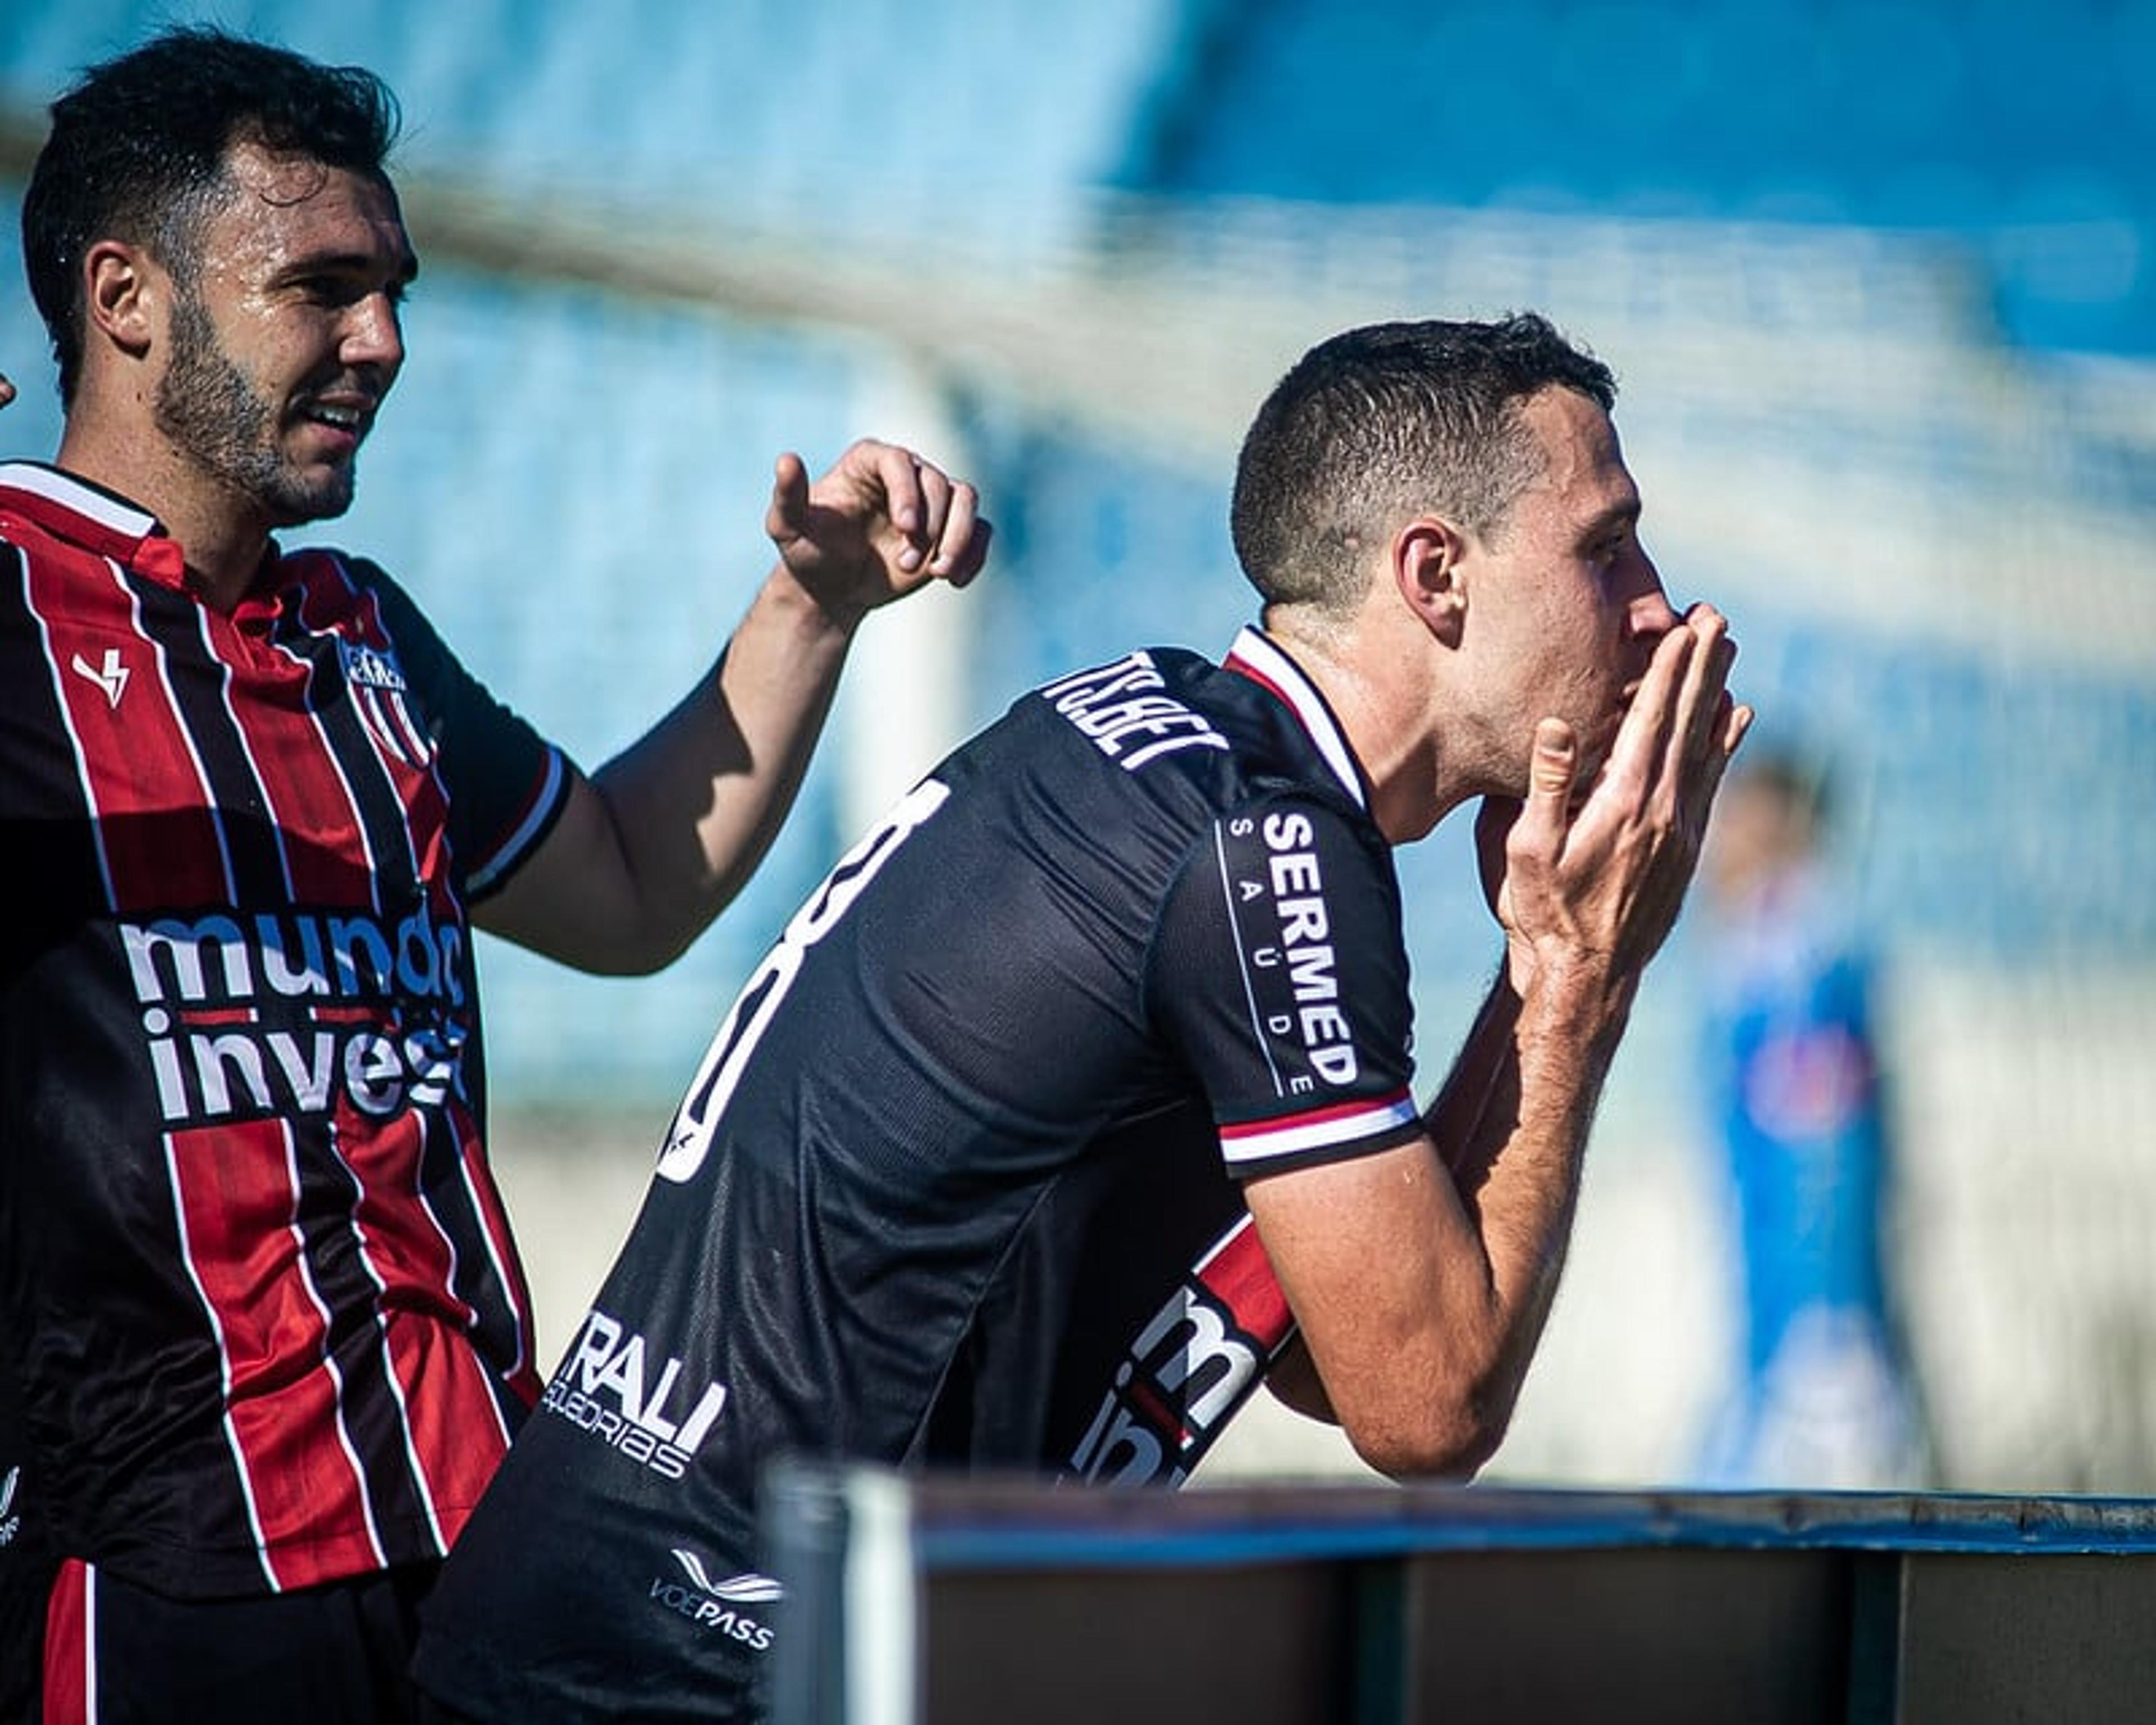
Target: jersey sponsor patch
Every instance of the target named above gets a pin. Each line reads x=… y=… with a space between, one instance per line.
x=202 y=985
x=721 y=1607
x=1193 y=1364
x=1121 y=709
x=1283 y=927
x=615 y=1386
x=1290 y=934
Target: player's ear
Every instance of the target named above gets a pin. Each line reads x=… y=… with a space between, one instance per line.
x=1429 y=557
x=119 y=286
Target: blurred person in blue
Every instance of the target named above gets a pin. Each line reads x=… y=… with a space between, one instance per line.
x=264 y=1330
x=1823 y=1395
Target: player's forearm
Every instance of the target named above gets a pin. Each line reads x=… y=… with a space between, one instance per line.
x=697 y=801
x=1421 y=1276
x=1518 y=1108
x=1455 y=1115
x=1538 y=1052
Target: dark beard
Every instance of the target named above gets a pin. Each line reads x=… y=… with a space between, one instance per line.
x=213 y=415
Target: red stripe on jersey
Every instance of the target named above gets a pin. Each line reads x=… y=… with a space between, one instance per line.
x=1313 y=1117
x=331 y=604
x=1239 y=1274
x=324 y=846
x=1243 y=667
x=237 y=1194
x=454 y=1425
x=70 y=1657
x=326 y=852
x=160 y=843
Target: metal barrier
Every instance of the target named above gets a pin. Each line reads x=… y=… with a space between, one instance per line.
x=926 y=1599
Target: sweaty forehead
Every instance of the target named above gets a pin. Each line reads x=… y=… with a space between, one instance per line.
x=281 y=206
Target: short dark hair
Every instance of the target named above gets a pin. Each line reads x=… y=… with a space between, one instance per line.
x=1381 y=421
x=138 y=150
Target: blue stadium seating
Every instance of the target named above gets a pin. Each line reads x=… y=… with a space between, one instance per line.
x=1999 y=121
x=573 y=483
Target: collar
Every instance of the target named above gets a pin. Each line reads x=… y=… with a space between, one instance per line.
x=1261 y=659
x=97 y=519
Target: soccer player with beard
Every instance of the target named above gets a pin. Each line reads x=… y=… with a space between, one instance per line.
x=263 y=1335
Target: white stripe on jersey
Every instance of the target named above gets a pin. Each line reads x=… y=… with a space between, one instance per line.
x=1256 y=650
x=1321 y=1129
x=514 y=847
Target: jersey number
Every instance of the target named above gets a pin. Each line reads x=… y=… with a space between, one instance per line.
x=689 y=1140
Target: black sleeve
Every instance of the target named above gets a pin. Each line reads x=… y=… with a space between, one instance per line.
x=1278 y=974
x=507 y=784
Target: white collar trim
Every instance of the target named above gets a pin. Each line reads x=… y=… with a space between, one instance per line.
x=1259 y=656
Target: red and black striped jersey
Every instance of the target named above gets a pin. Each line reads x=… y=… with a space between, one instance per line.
x=260 y=1307
x=957 y=1183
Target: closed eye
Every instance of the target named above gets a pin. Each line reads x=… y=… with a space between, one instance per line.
x=1611 y=535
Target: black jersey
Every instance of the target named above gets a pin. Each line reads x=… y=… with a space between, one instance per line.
x=261 y=1321
x=957 y=1183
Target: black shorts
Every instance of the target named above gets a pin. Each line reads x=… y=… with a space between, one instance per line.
x=332 y=1655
